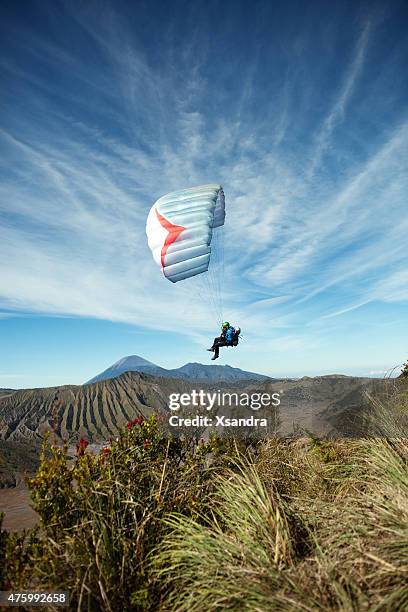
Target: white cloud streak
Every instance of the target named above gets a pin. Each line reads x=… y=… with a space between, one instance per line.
x=337 y=112
x=82 y=175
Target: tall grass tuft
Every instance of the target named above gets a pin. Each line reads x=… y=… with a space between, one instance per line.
x=236 y=559
x=307 y=525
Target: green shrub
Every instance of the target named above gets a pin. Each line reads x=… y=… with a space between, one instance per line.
x=102 y=516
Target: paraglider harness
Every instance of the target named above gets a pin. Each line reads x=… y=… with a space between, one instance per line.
x=235 y=337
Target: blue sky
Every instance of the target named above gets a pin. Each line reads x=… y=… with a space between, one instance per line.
x=299 y=109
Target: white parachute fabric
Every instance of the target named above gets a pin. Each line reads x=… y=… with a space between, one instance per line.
x=180 y=228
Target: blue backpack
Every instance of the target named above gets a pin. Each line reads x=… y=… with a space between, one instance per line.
x=229 y=335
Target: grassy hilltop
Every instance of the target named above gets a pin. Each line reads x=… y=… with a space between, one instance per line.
x=152 y=523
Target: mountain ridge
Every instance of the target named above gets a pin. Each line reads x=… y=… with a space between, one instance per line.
x=189 y=371
x=98 y=410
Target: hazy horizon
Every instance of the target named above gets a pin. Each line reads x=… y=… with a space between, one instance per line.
x=394 y=371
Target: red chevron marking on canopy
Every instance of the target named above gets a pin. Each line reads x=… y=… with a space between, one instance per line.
x=174 y=233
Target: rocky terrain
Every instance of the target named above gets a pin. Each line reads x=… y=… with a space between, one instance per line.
x=6 y=392
x=322 y=405
x=96 y=410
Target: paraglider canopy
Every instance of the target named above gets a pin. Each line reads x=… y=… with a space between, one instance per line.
x=180 y=227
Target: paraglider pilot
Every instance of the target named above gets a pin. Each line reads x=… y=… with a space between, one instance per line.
x=229 y=337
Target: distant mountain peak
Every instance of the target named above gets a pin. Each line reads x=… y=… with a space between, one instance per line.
x=132 y=360
x=189 y=371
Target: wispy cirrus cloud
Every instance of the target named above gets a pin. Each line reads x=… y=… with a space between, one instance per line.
x=346 y=309
x=315 y=201
x=337 y=111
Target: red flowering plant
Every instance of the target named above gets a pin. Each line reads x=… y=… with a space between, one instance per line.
x=81 y=447
x=143 y=435
x=105 y=452
x=135 y=422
